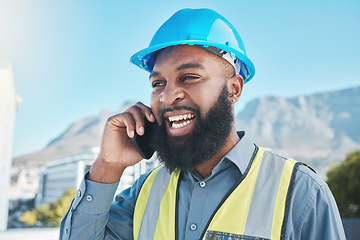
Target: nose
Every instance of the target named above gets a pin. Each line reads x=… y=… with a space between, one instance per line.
x=171 y=94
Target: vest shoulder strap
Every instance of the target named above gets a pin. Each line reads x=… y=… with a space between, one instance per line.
x=260 y=199
x=151 y=218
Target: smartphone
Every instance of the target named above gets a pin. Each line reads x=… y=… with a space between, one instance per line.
x=144 y=143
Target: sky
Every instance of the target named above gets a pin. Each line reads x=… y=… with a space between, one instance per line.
x=70 y=58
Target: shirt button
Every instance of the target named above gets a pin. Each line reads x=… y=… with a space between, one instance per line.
x=193 y=227
x=89 y=198
x=202 y=184
x=66 y=230
x=79 y=193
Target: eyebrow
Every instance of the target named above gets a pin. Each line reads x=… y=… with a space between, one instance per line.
x=182 y=67
x=190 y=65
x=153 y=74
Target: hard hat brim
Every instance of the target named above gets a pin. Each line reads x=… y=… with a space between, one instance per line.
x=144 y=58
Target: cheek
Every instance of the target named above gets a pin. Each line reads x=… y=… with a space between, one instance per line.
x=205 y=99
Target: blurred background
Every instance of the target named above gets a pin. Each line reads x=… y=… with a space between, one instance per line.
x=64 y=69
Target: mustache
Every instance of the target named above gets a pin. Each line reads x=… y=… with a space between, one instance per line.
x=170 y=109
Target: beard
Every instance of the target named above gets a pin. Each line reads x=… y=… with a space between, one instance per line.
x=208 y=137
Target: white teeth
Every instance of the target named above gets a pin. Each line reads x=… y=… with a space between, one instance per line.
x=181 y=117
x=175 y=119
x=179 y=125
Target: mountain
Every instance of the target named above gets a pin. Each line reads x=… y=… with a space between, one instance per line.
x=317 y=129
x=78 y=137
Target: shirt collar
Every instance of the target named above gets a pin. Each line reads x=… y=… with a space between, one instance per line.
x=242 y=152
x=239 y=155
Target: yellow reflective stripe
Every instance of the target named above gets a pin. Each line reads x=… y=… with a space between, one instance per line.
x=281 y=198
x=232 y=215
x=165 y=227
x=142 y=200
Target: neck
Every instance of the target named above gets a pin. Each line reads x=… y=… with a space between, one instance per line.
x=205 y=169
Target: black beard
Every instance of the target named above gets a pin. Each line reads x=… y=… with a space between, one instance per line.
x=206 y=140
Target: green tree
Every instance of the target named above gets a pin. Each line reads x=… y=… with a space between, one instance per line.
x=59 y=207
x=49 y=214
x=29 y=217
x=344 y=182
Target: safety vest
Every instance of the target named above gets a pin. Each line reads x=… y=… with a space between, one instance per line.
x=256 y=206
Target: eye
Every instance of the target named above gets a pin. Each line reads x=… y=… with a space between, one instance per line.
x=156 y=84
x=189 y=77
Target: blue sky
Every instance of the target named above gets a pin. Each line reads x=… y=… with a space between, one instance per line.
x=70 y=58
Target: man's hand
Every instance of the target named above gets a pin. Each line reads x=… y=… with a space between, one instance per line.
x=117 y=150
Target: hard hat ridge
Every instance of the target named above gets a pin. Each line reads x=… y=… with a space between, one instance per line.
x=200 y=27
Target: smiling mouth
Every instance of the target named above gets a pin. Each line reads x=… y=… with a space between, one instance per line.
x=181 y=120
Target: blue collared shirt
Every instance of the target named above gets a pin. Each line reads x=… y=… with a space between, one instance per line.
x=93 y=214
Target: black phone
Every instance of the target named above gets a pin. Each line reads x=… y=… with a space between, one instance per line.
x=144 y=143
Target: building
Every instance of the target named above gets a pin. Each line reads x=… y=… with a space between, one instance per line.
x=62 y=174
x=24 y=185
x=8 y=105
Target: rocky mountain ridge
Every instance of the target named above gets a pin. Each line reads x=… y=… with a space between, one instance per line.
x=317 y=129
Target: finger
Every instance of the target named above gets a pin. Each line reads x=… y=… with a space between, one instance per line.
x=123 y=120
x=146 y=111
x=129 y=122
x=138 y=117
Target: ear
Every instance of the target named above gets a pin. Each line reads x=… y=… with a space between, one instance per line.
x=235 y=86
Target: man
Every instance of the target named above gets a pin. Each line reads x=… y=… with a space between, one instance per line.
x=215 y=183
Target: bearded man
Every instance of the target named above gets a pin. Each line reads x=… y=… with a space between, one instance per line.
x=214 y=183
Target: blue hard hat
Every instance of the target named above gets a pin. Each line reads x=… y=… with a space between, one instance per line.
x=203 y=27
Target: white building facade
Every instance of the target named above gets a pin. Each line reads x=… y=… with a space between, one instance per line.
x=62 y=174
x=8 y=106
